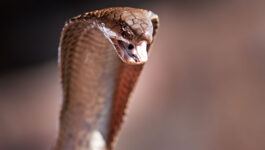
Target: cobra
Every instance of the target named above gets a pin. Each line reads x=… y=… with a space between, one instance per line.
x=101 y=55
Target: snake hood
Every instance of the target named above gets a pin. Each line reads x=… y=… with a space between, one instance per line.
x=96 y=83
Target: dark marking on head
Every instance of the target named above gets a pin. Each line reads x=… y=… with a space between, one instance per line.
x=126 y=31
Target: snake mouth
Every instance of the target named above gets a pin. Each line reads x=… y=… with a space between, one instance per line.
x=132 y=53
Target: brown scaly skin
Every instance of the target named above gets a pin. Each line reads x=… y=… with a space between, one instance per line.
x=96 y=83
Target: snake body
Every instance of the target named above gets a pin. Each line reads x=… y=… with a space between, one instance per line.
x=101 y=55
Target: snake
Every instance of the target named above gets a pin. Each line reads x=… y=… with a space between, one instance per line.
x=101 y=55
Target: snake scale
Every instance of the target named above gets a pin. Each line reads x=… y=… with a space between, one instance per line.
x=101 y=55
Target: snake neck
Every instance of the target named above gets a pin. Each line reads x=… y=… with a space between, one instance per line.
x=96 y=86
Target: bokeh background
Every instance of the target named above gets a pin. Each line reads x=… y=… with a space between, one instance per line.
x=203 y=88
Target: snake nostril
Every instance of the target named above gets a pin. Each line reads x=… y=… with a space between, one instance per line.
x=130 y=46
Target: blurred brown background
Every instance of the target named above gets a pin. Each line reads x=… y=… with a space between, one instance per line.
x=203 y=88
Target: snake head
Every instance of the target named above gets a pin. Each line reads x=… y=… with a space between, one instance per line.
x=131 y=33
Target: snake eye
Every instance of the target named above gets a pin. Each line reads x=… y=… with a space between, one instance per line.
x=123 y=33
x=126 y=32
x=130 y=46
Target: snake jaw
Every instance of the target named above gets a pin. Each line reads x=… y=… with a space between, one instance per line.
x=132 y=53
x=129 y=55
x=141 y=51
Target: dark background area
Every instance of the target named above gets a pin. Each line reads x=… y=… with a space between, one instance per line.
x=31 y=29
x=203 y=87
